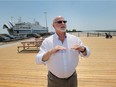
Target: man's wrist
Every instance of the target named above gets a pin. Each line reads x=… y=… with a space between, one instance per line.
x=83 y=50
x=47 y=55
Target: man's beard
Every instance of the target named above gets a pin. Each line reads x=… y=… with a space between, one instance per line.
x=62 y=29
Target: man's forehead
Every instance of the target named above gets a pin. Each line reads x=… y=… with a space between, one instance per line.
x=58 y=18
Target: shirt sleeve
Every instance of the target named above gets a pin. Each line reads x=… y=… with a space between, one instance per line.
x=39 y=56
x=87 y=49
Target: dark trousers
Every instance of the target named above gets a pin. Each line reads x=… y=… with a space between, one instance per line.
x=54 y=81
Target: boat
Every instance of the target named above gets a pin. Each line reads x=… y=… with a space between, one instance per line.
x=23 y=28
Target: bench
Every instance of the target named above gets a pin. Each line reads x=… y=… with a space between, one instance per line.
x=26 y=45
x=26 y=48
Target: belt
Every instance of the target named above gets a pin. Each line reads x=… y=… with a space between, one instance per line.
x=62 y=78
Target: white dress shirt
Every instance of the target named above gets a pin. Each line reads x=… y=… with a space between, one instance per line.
x=63 y=63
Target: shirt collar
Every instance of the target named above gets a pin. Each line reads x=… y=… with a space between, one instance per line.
x=56 y=36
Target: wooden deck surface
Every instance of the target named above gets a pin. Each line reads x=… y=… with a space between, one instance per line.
x=99 y=70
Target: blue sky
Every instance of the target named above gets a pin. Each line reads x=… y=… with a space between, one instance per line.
x=80 y=14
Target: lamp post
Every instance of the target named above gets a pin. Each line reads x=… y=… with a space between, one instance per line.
x=46 y=18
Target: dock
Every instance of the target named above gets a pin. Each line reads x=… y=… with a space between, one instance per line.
x=99 y=70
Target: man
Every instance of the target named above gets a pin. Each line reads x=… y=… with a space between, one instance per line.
x=60 y=52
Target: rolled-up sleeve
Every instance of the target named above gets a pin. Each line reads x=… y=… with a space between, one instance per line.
x=87 y=49
x=39 y=56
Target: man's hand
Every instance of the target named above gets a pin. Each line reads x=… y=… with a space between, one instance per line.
x=47 y=55
x=82 y=49
x=78 y=47
x=57 y=48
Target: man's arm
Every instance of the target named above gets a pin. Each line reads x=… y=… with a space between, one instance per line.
x=82 y=49
x=47 y=55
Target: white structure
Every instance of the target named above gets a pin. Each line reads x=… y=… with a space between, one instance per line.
x=23 y=28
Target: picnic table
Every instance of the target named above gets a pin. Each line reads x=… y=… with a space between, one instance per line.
x=26 y=45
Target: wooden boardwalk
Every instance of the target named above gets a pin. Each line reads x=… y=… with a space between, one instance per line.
x=99 y=70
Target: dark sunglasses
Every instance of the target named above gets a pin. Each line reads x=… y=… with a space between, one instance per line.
x=60 y=22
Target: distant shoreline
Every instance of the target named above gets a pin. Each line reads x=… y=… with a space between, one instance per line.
x=80 y=35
